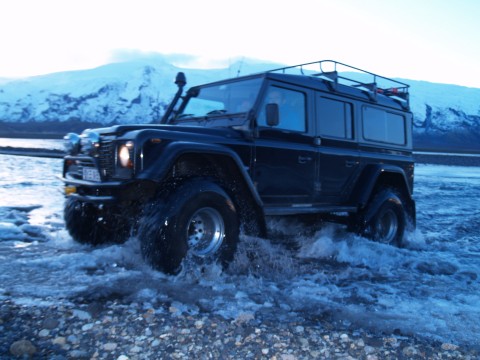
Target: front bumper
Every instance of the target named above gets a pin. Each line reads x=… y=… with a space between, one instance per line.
x=109 y=192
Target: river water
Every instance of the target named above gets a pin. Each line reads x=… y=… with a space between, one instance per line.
x=430 y=288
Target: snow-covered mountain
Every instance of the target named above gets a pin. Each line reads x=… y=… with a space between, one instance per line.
x=446 y=116
x=127 y=92
x=139 y=90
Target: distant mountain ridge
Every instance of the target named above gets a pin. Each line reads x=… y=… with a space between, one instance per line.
x=446 y=117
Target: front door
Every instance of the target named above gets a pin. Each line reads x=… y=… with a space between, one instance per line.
x=285 y=154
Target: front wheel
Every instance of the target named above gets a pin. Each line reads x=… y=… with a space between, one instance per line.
x=198 y=219
x=385 y=218
x=89 y=224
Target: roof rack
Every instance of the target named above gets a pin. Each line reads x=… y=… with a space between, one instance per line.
x=333 y=73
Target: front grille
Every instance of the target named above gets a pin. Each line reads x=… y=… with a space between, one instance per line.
x=106 y=158
x=103 y=160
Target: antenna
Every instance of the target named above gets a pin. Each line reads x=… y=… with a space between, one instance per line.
x=240 y=66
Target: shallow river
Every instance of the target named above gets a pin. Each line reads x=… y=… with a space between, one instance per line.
x=430 y=288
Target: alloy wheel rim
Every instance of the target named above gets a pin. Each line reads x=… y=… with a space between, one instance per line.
x=206 y=231
x=387 y=227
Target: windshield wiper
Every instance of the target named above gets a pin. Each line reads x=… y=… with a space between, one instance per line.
x=213 y=115
x=181 y=116
x=217 y=112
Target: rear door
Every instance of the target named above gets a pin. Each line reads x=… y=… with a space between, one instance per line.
x=338 y=151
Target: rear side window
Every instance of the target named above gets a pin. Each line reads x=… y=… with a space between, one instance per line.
x=334 y=118
x=383 y=126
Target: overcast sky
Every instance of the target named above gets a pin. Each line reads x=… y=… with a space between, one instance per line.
x=433 y=40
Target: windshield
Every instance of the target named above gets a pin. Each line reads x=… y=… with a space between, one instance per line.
x=230 y=98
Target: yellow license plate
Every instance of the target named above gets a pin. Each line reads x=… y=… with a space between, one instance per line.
x=70 y=190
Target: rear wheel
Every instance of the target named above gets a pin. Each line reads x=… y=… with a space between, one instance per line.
x=198 y=219
x=385 y=218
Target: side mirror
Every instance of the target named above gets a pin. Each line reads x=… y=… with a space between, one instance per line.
x=273 y=114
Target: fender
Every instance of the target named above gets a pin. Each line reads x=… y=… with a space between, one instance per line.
x=368 y=179
x=378 y=202
x=174 y=150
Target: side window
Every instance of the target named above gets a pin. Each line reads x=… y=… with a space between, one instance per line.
x=383 y=126
x=334 y=118
x=291 y=106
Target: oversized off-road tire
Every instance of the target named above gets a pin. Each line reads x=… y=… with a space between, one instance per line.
x=197 y=219
x=88 y=224
x=385 y=218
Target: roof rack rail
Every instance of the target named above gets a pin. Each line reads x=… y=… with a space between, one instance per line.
x=333 y=73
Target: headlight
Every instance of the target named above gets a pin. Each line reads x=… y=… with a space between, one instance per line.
x=90 y=142
x=72 y=143
x=125 y=155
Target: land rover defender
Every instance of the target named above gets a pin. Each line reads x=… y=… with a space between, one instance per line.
x=324 y=140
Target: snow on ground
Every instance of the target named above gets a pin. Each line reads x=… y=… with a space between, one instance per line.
x=429 y=288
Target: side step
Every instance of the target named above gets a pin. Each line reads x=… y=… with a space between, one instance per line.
x=307 y=209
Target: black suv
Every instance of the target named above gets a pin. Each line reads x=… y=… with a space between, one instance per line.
x=320 y=140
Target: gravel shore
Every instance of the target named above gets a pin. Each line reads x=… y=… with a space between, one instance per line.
x=121 y=331
x=48 y=153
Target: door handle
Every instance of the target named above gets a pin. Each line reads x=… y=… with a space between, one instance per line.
x=304 y=159
x=351 y=163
